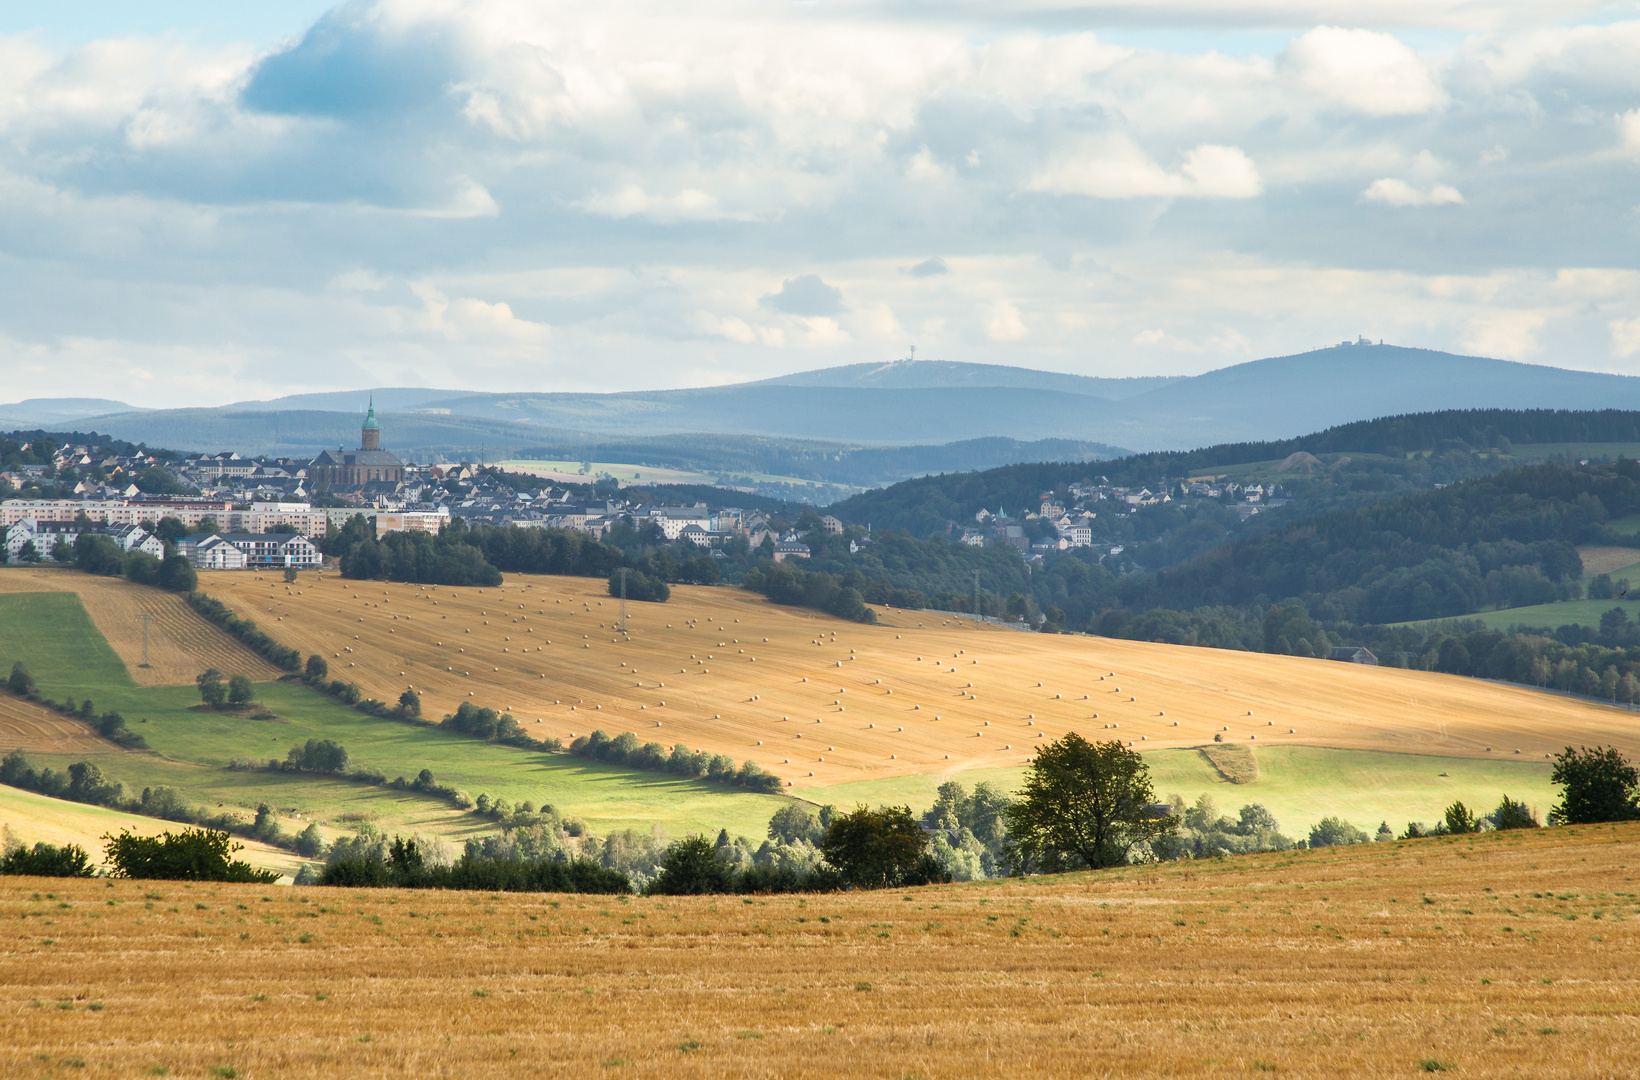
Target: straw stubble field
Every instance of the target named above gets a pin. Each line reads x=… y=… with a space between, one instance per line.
x=820 y=701
x=1501 y=954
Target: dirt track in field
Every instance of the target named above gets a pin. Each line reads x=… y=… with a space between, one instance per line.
x=181 y=644
x=803 y=693
x=1507 y=954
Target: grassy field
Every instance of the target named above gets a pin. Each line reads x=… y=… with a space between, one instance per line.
x=54 y=637
x=1300 y=785
x=1500 y=954
x=181 y=644
x=627 y=473
x=1563 y=613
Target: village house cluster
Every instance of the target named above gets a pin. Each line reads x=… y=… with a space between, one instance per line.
x=1070 y=517
x=262 y=512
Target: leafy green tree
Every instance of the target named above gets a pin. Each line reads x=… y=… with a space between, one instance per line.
x=212 y=690
x=880 y=849
x=793 y=822
x=1084 y=805
x=21 y=682
x=309 y=844
x=191 y=855
x=318 y=755
x=1599 y=785
x=409 y=704
x=1335 y=832
x=62 y=551
x=290 y=575
x=177 y=574
x=692 y=867
x=142 y=568
x=317 y=669
x=48 y=860
x=97 y=554
x=240 y=690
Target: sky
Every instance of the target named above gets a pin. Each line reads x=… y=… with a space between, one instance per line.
x=209 y=202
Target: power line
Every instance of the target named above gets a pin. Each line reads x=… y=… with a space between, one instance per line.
x=145 y=618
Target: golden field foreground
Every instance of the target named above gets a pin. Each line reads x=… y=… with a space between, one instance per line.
x=822 y=701
x=1491 y=955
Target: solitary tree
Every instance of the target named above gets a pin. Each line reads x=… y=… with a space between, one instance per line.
x=1600 y=785
x=21 y=682
x=409 y=704
x=211 y=688
x=290 y=575
x=1084 y=805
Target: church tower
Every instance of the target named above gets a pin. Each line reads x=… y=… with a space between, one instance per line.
x=370 y=436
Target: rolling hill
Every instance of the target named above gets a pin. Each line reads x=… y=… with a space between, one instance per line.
x=926 y=402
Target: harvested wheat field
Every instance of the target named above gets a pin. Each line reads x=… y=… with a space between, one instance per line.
x=805 y=694
x=34 y=818
x=181 y=644
x=24 y=725
x=1499 y=954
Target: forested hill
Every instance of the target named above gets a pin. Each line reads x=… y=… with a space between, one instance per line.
x=1405 y=453
x=1505 y=540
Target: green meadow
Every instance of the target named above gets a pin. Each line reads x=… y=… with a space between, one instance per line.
x=190 y=750
x=1300 y=785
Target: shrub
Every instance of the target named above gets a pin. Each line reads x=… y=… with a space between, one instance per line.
x=409 y=705
x=191 y=855
x=48 y=860
x=317 y=671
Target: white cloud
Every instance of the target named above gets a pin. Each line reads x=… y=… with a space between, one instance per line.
x=1393 y=192
x=1369 y=72
x=1625 y=336
x=453 y=186
x=1003 y=323
x=1511 y=335
x=1114 y=168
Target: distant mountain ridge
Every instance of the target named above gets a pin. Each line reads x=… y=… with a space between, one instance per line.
x=904 y=403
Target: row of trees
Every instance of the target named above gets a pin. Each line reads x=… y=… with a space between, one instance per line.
x=624 y=749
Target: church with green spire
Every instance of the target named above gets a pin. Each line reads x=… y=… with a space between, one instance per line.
x=369 y=465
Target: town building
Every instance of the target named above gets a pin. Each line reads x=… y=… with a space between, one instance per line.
x=369 y=464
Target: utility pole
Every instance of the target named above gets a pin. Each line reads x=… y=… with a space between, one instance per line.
x=145 y=618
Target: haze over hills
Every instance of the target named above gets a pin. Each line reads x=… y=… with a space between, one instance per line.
x=900 y=403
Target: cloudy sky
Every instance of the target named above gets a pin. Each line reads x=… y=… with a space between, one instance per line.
x=203 y=202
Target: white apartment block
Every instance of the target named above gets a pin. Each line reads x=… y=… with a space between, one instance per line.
x=427 y=521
